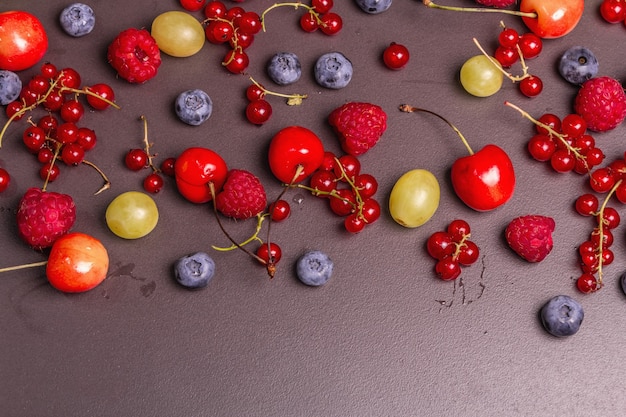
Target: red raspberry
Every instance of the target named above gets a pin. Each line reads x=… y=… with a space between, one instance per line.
x=359 y=126
x=242 y=196
x=135 y=55
x=602 y=103
x=44 y=216
x=531 y=236
x=499 y=4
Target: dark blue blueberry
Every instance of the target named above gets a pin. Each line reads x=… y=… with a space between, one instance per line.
x=10 y=86
x=284 y=68
x=314 y=268
x=193 y=107
x=333 y=70
x=195 y=270
x=622 y=282
x=562 y=316
x=77 y=19
x=578 y=64
x=373 y=6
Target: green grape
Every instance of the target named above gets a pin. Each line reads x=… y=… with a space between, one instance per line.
x=481 y=77
x=414 y=198
x=178 y=34
x=132 y=215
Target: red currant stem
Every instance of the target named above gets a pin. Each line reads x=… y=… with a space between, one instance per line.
x=292 y=99
x=87 y=91
x=431 y=4
x=295 y=5
x=459 y=245
x=357 y=194
x=107 y=183
x=410 y=109
x=148 y=145
x=18 y=267
x=601 y=229
x=508 y=75
x=54 y=158
x=552 y=132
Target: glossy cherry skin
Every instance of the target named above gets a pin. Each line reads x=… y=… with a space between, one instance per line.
x=23 y=40
x=77 y=263
x=555 y=18
x=195 y=169
x=484 y=180
x=295 y=148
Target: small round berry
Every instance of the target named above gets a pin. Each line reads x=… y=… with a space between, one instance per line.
x=530 y=45
x=193 y=107
x=77 y=19
x=5 y=179
x=448 y=268
x=440 y=244
x=314 y=268
x=531 y=86
x=333 y=70
x=458 y=229
x=578 y=64
x=258 y=112
x=136 y=159
x=269 y=253
x=562 y=316
x=167 y=166
x=10 y=87
x=102 y=90
x=279 y=210
x=153 y=183
x=308 y=22
x=195 y=270
x=331 y=24
x=587 y=204
x=284 y=68
x=396 y=56
x=508 y=38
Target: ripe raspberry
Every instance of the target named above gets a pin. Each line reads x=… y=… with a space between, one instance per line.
x=531 y=236
x=359 y=126
x=135 y=55
x=43 y=216
x=602 y=103
x=242 y=196
x=499 y=4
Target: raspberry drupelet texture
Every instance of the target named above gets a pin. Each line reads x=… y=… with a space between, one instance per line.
x=135 y=55
x=358 y=125
x=601 y=102
x=242 y=196
x=530 y=236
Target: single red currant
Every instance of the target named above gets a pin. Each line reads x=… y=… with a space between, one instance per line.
x=396 y=56
x=530 y=45
x=258 y=111
x=531 y=86
x=271 y=254
x=448 y=268
x=440 y=244
x=587 y=205
x=136 y=159
x=309 y=22
x=5 y=179
x=508 y=38
x=587 y=283
x=331 y=23
x=102 y=90
x=354 y=223
x=153 y=183
x=167 y=166
x=279 y=210
x=458 y=229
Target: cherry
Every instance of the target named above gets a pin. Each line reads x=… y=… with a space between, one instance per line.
x=396 y=56
x=197 y=170
x=258 y=111
x=5 y=179
x=295 y=152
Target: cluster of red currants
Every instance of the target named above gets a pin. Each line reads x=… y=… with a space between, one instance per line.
x=452 y=249
x=137 y=159
x=565 y=143
x=237 y=27
x=513 y=47
x=258 y=109
x=349 y=191
x=613 y=11
x=56 y=135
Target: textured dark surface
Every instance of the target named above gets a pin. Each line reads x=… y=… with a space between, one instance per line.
x=384 y=337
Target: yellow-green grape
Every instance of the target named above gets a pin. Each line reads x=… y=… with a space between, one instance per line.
x=178 y=34
x=414 y=198
x=481 y=77
x=132 y=215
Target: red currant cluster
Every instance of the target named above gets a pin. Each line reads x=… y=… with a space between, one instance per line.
x=137 y=159
x=564 y=143
x=259 y=110
x=513 y=47
x=349 y=192
x=452 y=248
x=237 y=27
x=56 y=135
x=613 y=11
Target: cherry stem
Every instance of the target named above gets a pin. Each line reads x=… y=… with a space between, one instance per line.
x=410 y=109
x=551 y=132
x=496 y=64
x=295 y=5
x=107 y=183
x=431 y=4
x=18 y=267
x=292 y=99
x=255 y=236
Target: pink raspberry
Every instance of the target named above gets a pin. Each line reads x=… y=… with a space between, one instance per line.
x=358 y=125
x=135 y=55
x=601 y=102
x=242 y=196
x=43 y=217
x=499 y=4
x=531 y=236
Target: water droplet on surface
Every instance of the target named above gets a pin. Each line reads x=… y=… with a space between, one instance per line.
x=298 y=198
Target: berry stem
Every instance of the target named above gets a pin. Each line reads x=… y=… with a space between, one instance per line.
x=433 y=5
x=292 y=99
x=18 y=267
x=495 y=63
x=295 y=5
x=107 y=183
x=148 y=145
x=601 y=230
x=410 y=109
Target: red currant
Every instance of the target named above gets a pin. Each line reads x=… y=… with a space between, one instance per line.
x=343 y=203
x=192 y=5
x=458 y=229
x=279 y=210
x=49 y=172
x=72 y=154
x=370 y=210
x=531 y=86
x=508 y=38
x=551 y=120
x=254 y=92
x=323 y=182
x=34 y=138
x=613 y=11
x=236 y=61
x=573 y=126
x=102 y=90
x=153 y=183
x=136 y=159
x=218 y=32
x=215 y=9
x=440 y=245
x=5 y=179
x=610 y=218
x=468 y=253
x=67 y=133
x=601 y=180
x=448 y=268
x=587 y=283
x=271 y=254
x=167 y=166
x=530 y=45
x=322 y=6
x=396 y=56
x=366 y=185
x=587 y=205
x=331 y=23
x=72 y=110
x=86 y=138
x=309 y=22
x=349 y=167
x=354 y=223
x=258 y=111
x=541 y=147
x=562 y=161
x=248 y=23
x=506 y=56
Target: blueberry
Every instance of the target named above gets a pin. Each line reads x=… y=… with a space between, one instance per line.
x=333 y=70
x=77 y=19
x=284 y=68
x=578 y=64
x=562 y=316
x=622 y=282
x=373 y=6
x=10 y=87
x=195 y=270
x=193 y=107
x=314 y=268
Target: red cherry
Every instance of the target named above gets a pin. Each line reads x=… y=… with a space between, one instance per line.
x=553 y=19
x=295 y=152
x=396 y=56
x=195 y=170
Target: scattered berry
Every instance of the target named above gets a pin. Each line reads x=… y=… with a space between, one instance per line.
x=396 y=56
x=77 y=19
x=195 y=270
x=242 y=195
x=578 y=64
x=333 y=70
x=5 y=179
x=314 y=268
x=284 y=68
x=374 y=6
x=602 y=103
x=530 y=236
x=193 y=107
x=10 y=87
x=358 y=125
x=135 y=55
x=562 y=316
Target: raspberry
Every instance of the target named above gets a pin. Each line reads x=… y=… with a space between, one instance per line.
x=135 y=55
x=242 y=196
x=499 y=4
x=43 y=216
x=531 y=236
x=359 y=126
x=602 y=103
